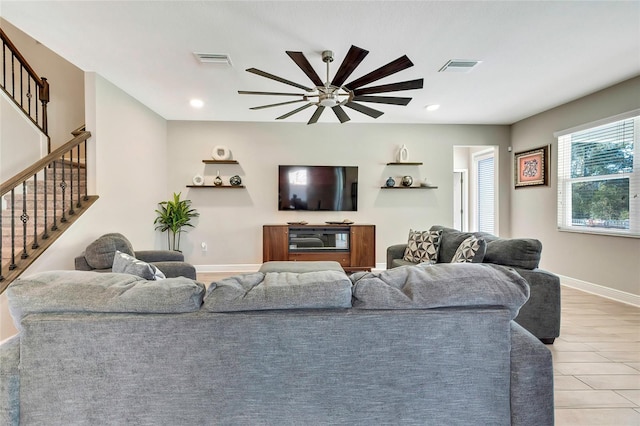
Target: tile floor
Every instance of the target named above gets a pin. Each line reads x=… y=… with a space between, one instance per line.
x=596 y=360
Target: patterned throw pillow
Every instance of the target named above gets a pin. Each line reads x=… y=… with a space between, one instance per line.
x=470 y=250
x=125 y=264
x=422 y=246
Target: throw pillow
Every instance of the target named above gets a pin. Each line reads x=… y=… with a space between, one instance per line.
x=126 y=264
x=470 y=250
x=99 y=254
x=422 y=246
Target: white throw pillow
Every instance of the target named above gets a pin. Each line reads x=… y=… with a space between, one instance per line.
x=126 y=264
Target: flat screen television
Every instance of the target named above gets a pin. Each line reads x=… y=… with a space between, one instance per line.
x=318 y=188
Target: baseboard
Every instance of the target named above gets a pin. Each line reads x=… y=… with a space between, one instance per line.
x=599 y=290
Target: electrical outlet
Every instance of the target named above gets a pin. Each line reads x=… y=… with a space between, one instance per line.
x=204 y=246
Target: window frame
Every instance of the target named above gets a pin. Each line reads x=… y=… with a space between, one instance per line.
x=565 y=181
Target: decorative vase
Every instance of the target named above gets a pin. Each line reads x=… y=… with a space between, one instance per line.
x=407 y=180
x=198 y=180
x=220 y=153
x=403 y=154
x=235 y=180
x=217 y=181
x=390 y=182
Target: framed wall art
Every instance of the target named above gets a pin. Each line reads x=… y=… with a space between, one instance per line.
x=532 y=167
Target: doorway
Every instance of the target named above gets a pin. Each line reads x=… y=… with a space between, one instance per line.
x=475 y=188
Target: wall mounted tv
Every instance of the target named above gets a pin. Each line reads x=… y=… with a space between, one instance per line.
x=318 y=188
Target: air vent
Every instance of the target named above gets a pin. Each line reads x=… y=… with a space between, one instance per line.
x=213 y=58
x=459 y=65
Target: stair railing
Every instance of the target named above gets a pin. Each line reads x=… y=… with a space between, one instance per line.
x=60 y=199
x=27 y=90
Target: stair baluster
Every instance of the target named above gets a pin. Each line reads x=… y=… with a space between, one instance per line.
x=35 y=244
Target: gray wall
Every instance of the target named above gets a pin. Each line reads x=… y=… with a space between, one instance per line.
x=608 y=261
x=231 y=220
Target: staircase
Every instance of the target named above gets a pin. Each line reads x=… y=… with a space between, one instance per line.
x=38 y=204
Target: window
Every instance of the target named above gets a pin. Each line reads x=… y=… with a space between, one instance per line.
x=599 y=177
x=486 y=190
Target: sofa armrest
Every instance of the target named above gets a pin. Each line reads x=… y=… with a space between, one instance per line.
x=81 y=263
x=176 y=269
x=10 y=381
x=395 y=252
x=531 y=380
x=159 y=256
x=541 y=314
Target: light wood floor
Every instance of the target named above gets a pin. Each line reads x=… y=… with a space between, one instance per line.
x=596 y=360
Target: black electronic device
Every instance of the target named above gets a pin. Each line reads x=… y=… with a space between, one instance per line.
x=318 y=188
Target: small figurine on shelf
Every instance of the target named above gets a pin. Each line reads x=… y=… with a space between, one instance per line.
x=403 y=154
x=217 y=181
x=407 y=181
x=235 y=180
x=390 y=182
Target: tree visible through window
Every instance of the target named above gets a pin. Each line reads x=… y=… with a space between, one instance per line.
x=597 y=179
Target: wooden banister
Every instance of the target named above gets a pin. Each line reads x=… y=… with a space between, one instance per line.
x=11 y=183
x=20 y=58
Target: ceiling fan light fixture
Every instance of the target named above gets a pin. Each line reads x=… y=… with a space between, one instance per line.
x=329 y=100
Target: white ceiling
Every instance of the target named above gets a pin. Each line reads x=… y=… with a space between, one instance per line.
x=535 y=54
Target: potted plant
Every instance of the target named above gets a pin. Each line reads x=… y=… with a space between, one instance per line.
x=173 y=215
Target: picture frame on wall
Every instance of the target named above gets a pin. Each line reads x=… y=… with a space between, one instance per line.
x=532 y=167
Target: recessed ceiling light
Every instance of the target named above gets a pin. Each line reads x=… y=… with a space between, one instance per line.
x=196 y=103
x=432 y=107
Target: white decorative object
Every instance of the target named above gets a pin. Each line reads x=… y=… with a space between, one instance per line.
x=220 y=153
x=198 y=180
x=403 y=154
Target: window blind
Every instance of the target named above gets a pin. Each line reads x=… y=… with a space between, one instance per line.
x=486 y=195
x=598 y=179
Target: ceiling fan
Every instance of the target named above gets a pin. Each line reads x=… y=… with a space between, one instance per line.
x=335 y=94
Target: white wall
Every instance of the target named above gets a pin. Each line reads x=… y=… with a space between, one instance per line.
x=66 y=105
x=612 y=262
x=128 y=148
x=21 y=142
x=231 y=220
x=130 y=174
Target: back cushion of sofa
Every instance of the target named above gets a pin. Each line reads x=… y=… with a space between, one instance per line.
x=99 y=254
x=517 y=252
x=279 y=290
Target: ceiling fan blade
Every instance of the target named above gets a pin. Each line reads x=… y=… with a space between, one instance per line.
x=355 y=55
x=391 y=100
x=295 y=111
x=316 y=115
x=305 y=66
x=278 y=104
x=364 y=109
x=279 y=79
x=342 y=116
x=391 y=68
x=394 y=87
x=248 y=92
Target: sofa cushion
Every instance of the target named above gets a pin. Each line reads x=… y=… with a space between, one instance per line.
x=100 y=253
x=422 y=246
x=442 y=285
x=84 y=291
x=125 y=264
x=279 y=290
x=516 y=252
x=471 y=250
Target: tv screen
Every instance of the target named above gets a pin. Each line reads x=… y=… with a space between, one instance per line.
x=318 y=188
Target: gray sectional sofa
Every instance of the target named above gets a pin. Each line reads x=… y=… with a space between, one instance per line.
x=541 y=314
x=416 y=346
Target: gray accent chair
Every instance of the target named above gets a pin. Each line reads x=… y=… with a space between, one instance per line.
x=98 y=257
x=541 y=314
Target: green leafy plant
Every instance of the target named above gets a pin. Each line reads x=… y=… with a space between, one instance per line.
x=173 y=216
